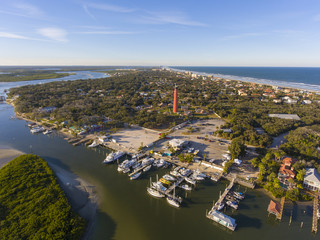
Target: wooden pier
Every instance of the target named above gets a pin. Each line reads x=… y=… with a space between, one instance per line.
x=315 y=214
x=225 y=193
x=279 y=216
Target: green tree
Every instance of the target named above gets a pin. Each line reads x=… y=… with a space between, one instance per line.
x=300 y=175
x=293 y=194
x=237 y=148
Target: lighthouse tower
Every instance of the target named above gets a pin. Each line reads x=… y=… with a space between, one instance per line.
x=175 y=100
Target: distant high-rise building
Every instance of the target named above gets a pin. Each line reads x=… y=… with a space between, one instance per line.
x=175 y=100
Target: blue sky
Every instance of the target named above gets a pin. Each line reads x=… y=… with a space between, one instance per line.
x=147 y=32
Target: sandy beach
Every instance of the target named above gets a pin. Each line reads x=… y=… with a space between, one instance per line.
x=80 y=194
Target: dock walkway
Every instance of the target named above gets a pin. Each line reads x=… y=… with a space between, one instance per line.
x=225 y=192
x=279 y=216
x=315 y=214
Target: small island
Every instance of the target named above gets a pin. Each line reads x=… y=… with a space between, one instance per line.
x=32 y=204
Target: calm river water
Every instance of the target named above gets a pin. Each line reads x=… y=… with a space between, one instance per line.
x=126 y=211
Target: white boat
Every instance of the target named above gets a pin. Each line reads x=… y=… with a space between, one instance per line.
x=197 y=177
x=190 y=180
x=238 y=195
x=47 y=132
x=173 y=202
x=169 y=178
x=186 y=187
x=146 y=169
x=185 y=172
x=158 y=186
x=175 y=173
x=155 y=193
x=93 y=144
x=161 y=163
x=232 y=204
x=147 y=161
x=136 y=165
x=135 y=176
x=113 y=156
x=37 y=129
x=219 y=206
x=126 y=170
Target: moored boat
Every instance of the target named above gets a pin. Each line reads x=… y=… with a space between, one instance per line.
x=147 y=168
x=155 y=193
x=219 y=206
x=135 y=176
x=232 y=204
x=185 y=187
x=190 y=180
x=173 y=202
x=113 y=156
x=169 y=177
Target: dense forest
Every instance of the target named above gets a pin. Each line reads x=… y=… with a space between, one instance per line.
x=15 y=75
x=32 y=204
x=144 y=98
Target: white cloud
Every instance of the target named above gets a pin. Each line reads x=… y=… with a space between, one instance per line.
x=28 y=9
x=12 y=35
x=170 y=17
x=106 y=32
x=243 y=35
x=109 y=7
x=56 y=34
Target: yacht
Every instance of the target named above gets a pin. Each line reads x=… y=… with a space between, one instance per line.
x=161 y=163
x=147 y=161
x=136 y=165
x=197 y=177
x=175 y=173
x=186 y=187
x=232 y=204
x=173 y=202
x=135 y=176
x=185 y=172
x=169 y=178
x=113 y=156
x=155 y=193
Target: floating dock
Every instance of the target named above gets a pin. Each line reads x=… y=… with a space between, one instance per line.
x=315 y=214
x=221 y=199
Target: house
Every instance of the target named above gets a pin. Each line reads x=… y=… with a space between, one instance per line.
x=312 y=179
x=286 y=170
x=274 y=208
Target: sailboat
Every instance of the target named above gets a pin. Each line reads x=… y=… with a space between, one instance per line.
x=172 y=201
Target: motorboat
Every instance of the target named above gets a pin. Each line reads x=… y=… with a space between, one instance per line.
x=126 y=170
x=219 y=206
x=155 y=193
x=164 y=181
x=175 y=173
x=161 y=163
x=147 y=161
x=37 y=129
x=197 y=177
x=136 y=165
x=186 y=187
x=173 y=202
x=47 y=132
x=232 y=204
x=239 y=195
x=190 y=180
x=147 y=168
x=169 y=177
x=135 y=176
x=158 y=186
x=185 y=172
x=113 y=156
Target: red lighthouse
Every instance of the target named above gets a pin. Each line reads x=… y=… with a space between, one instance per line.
x=175 y=100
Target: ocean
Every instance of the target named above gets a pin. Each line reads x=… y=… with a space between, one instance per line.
x=293 y=77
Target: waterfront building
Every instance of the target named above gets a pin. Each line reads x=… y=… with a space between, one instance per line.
x=176 y=143
x=175 y=100
x=274 y=208
x=222 y=219
x=286 y=170
x=312 y=179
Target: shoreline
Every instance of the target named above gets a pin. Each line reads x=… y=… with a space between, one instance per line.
x=80 y=194
x=261 y=81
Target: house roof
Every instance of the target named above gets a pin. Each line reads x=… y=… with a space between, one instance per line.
x=288 y=161
x=286 y=170
x=274 y=207
x=312 y=175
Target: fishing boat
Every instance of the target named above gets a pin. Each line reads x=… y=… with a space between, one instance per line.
x=135 y=176
x=232 y=204
x=113 y=156
x=147 y=168
x=165 y=181
x=190 y=180
x=185 y=187
x=169 y=177
x=155 y=193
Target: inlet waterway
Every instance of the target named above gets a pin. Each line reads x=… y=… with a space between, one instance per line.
x=126 y=211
